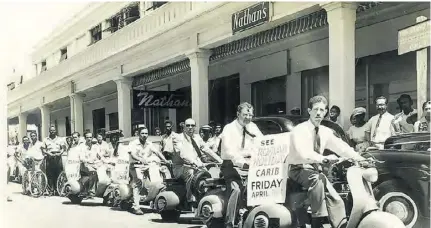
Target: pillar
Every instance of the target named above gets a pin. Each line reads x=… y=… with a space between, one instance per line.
x=199 y=62
x=341 y=19
x=22 y=118
x=124 y=88
x=45 y=117
x=76 y=113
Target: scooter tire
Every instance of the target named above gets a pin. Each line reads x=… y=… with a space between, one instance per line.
x=170 y=215
x=215 y=223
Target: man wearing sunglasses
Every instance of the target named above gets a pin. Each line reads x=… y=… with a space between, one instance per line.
x=189 y=149
x=237 y=137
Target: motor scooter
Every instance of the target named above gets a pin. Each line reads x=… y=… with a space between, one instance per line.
x=74 y=187
x=172 y=202
x=151 y=183
x=364 y=212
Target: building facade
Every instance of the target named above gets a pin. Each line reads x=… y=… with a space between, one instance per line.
x=118 y=65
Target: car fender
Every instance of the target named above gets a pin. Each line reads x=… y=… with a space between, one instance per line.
x=276 y=213
x=216 y=200
x=172 y=200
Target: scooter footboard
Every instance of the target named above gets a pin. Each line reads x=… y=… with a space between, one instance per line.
x=211 y=204
x=274 y=215
x=167 y=200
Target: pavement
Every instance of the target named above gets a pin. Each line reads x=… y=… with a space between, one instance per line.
x=46 y=212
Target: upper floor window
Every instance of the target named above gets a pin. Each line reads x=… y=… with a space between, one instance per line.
x=96 y=33
x=43 y=68
x=131 y=13
x=156 y=5
x=63 y=54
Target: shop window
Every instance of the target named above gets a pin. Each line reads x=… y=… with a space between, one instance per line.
x=269 y=96
x=98 y=120
x=268 y=127
x=68 y=128
x=224 y=97
x=96 y=34
x=63 y=54
x=156 y=5
x=132 y=13
x=113 y=121
x=43 y=68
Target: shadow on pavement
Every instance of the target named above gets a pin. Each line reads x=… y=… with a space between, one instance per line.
x=85 y=204
x=182 y=221
x=145 y=210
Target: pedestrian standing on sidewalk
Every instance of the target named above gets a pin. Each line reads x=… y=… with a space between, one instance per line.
x=401 y=125
x=53 y=147
x=380 y=126
x=356 y=132
x=167 y=146
x=334 y=113
x=423 y=124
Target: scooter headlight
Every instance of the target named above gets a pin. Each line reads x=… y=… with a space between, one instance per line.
x=161 y=204
x=116 y=194
x=370 y=175
x=207 y=210
x=261 y=221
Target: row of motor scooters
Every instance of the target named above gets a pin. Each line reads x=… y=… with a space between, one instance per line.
x=167 y=196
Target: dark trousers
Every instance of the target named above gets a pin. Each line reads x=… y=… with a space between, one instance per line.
x=234 y=188
x=321 y=204
x=88 y=180
x=53 y=170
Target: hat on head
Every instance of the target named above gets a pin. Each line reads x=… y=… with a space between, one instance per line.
x=358 y=111
x=206 y=127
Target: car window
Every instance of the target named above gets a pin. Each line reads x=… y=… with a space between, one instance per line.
x=268 y=127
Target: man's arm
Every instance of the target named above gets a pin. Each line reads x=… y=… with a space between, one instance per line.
x=341 y=148
x=187 y=153
x=303 y=150
x=367 y=129
x=208 y=151
x=392 y=127
x=44 y=149
x=158 y=153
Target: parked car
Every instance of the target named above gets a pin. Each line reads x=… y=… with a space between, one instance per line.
x=403 y=187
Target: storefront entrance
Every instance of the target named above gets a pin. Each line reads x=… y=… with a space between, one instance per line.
x=223 y=99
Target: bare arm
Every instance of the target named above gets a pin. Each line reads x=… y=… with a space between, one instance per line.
x=341 y=148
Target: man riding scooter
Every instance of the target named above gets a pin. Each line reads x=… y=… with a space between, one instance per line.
x=308 y=141
x=89 y=157
x=189 y=147
x=142 y=152
x=236 y=138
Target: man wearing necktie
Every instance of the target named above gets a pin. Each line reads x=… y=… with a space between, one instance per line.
x=188 y=150
x=380 y=127
x=308 y=141
x=237 y=137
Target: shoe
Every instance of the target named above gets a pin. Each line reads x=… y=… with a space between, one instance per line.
x=137 y=211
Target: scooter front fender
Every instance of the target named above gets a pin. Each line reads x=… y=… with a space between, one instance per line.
x=172 y=200
x=216 y=201
x=109 y=189
x=381 y=219
x=275 y=214
x=72 y=187
x=123 y=192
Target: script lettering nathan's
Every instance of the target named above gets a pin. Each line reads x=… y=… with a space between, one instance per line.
x=268 y=172
x=165 y=100
x=250 y=17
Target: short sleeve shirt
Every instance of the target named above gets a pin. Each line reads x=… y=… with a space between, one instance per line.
x=54 y=145
x=143 y=151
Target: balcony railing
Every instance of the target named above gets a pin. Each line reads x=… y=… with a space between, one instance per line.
x=163 y=19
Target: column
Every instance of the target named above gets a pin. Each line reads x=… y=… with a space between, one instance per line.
x=199 y=61
x=45 y=117
x=76 y=113
x=22 y=118
x=124 y=88
x=341 y=19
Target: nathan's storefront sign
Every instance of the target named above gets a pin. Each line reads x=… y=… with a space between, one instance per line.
x=250 y=17
x=159 y=99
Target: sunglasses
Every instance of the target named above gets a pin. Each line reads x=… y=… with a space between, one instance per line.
x=190 y=125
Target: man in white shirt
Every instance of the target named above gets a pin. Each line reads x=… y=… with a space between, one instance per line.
x=167 y=140
x=236 y=139
x=380 y=127
x=88 y=155
x=36 y=150
x=208 y=142
x=217 y=137
x=405 y=103
x=308 y=141
x=189 y=149
x=142 y=151
x=22 y=154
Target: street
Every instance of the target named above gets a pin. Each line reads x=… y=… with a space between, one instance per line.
x=46 y=212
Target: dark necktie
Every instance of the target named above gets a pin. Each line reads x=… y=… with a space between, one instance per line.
x=317 y=147
x=377 y=126
x=196 y=147
x=244 y=131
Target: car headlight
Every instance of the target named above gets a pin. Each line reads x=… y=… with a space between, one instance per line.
x=370 y=175
x=207 y=210
x=161 y=204
x=261 y=221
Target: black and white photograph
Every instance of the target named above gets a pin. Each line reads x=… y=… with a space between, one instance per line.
x=215 y=114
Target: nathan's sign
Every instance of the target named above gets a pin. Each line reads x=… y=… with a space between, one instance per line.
x=159 y=99
x=250 y=17
x=268 y=172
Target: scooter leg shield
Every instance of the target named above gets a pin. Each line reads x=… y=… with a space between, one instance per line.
x=72 y=187
x=380 y=219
